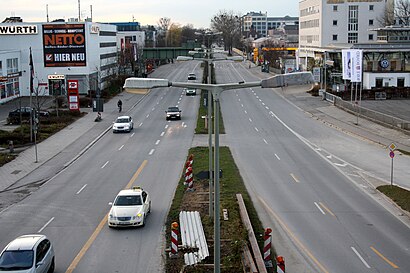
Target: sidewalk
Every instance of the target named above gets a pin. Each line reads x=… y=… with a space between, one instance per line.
x=77 y=137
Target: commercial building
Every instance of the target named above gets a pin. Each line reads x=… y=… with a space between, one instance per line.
x=60 y=51
x=257 y=24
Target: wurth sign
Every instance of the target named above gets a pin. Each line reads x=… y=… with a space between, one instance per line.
x=17 y=30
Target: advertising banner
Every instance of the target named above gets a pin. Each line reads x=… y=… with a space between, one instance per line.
x=73 y=98
x=357 y=58
x=64 y=45
x=346 y=64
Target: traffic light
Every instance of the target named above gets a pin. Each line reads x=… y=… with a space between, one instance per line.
x=255 y=54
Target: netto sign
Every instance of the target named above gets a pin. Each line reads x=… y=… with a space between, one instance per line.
x=64 y=45
x=18 y=30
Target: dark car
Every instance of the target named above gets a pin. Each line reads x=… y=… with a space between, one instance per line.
x=24 y=113
x=173 y=112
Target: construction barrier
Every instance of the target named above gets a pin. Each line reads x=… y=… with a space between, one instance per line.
x=174 y=240
x=190 y=180
x=266 y=247
x=280 y=264
x=187 y=174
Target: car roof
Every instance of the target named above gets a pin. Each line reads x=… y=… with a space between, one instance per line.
x=133 y=191
x=25 y=242
x=123 y=117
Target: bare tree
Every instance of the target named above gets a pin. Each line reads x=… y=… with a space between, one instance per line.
x=173 y=37
x=163 y=27
x=228 y=24
x=402 y=12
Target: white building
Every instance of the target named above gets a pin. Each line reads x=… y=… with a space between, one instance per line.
x=257 y=24
x=323 y=23
x=82 y=51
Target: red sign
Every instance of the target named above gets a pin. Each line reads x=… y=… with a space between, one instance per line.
x=391 y=154
x=73 y=98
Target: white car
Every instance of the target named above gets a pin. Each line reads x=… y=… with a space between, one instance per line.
x=28 y=254
x=123 y=124
x=130 y=208
x=190 y=91
x=191 y=76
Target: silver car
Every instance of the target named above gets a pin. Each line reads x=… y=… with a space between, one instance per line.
x=28 y=254
x=123 y=124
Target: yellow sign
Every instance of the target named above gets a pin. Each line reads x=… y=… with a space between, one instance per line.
x=392 y=147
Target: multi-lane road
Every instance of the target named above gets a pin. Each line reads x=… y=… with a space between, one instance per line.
x=323 y=216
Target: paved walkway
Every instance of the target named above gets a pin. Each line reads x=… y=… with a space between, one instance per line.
x=77 y=137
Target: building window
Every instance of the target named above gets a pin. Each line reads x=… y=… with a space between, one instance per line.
x=335 y=22
x=12 y=65
x=353 y=20
x=1 y=69
x=400 y=82
x=371 y=21
x=370 y=37
x=334 y=8
x=334 y=37
x=371 y=7
x=352 y=38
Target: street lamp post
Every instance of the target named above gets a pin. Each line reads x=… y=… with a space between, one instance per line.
x=292 y=79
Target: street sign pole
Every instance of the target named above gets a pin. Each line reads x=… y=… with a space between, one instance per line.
x=392 y=147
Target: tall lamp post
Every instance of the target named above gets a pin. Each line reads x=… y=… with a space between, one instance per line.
x=292 y=79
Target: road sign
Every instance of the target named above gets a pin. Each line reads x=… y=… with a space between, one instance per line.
x=392 y=147
x=391 y=154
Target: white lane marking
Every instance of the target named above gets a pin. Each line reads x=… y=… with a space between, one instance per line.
x=163 y=133
x=264 y=140
x=263 y=103
x=294 y=178
x=360 y=257
x=49 y=221
x=132 y=134
x=102 y=167
x=179 y=100
x=266 y=107
x=183 y=124
x=250 y=119
x=316 y=204
x=245 y=112
x=277 y=157
x=153 y=109
x=341 y=165
x=329 y=156
x=241 y=105
x=256 y=129
x=147 y=116
x=122 y=146
x=151 y=152
x=80 y=190
x=166 y=126
x=156 y=143
x=140 y=124
x=257 y=97
x=260 y=100
x=239 y=99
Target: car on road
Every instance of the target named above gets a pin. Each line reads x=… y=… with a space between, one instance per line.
x=24 y=113
x=173 y=112
x=32 y=253
x=191 y=76
x=190 y=91
x=130 y=208
x=123 y=124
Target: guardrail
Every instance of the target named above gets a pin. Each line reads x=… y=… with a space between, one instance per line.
x=373 y=115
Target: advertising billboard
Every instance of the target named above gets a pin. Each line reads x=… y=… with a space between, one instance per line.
x=64 y=45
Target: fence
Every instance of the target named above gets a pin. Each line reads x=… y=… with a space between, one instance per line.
x=372 y=115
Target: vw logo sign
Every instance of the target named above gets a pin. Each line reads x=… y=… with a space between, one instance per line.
x=384 y=63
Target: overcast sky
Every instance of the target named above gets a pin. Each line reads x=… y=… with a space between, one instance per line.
x=147 y=12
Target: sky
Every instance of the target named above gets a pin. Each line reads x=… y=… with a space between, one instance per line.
x=195 y=12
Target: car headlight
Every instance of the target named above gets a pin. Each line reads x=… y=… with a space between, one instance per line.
x=139 y=216
x=112 y=217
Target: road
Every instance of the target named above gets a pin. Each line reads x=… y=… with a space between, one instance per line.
x=71 y=208
x=317 y=201
x=307 y=181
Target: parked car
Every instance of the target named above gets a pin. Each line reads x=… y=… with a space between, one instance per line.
x=130 y=208
x=24 y=113
x=28 y=254
x=191 y=76
x=190 y=91
x=123 y=124
x=173 y=112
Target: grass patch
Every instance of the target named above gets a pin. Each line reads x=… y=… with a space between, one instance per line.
x=400 y=196
x=203 y=111
x=6 y=158
x=233 y=233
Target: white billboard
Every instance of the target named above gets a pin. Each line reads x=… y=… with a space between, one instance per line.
x=357 y=64
x=346 y=64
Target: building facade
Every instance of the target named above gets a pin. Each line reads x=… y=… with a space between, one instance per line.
x=60 y=51
x=257 y=24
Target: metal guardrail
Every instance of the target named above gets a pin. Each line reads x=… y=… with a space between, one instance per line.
x=373 y=115
x=193 y=237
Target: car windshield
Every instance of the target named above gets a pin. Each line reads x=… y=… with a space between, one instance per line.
x=173 y=109
x=128 y=200
x=16 y=260
x=121 y=120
